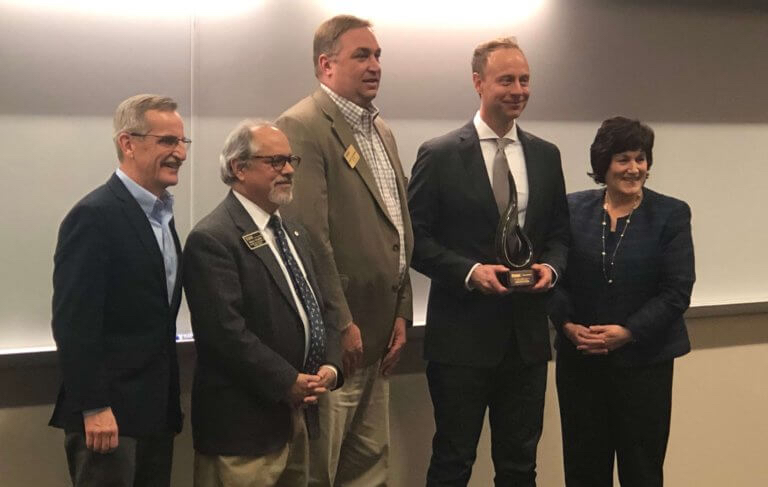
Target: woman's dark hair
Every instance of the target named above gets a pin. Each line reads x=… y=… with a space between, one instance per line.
x=617 y=135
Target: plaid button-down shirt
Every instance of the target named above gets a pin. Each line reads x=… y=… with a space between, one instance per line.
x=369 y=141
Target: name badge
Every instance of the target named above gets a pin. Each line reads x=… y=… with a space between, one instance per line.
x=351 y=156
x=254 y=240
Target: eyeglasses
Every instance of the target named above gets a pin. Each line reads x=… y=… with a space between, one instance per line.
x=278 y=161
x=170 y=141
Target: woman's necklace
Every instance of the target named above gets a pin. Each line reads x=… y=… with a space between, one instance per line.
x=608 y=272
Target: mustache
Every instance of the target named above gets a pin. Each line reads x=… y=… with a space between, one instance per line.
x=173 y=160
x=288 y=178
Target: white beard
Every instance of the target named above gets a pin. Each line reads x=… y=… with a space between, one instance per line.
x=280 y=196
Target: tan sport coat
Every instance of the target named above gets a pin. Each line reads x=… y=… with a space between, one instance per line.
x=355 y=242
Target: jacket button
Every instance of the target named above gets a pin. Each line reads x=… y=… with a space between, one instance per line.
x=396 y=247
x=395 y=287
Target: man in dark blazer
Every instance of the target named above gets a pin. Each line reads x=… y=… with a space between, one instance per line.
x=487 y=345
x=351 y=197
x=263 y=353
x=116 y=293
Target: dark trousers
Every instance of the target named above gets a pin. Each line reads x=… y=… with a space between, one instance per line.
x=606 y=411
x=136 y=462
x=512 y=393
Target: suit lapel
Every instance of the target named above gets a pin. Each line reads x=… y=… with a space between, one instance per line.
x=477 y=175
x=141 y=225
x=245 y=224
x=535 y=175
x=346 y=137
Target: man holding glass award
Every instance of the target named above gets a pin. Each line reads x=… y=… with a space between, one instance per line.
x=490 y=220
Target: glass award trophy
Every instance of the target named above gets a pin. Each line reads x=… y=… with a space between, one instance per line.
x=513 y=248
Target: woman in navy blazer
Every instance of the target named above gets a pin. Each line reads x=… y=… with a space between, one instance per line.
x=619 y=314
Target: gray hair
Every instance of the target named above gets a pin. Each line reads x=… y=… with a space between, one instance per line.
x=480 y=56
x=326 y=39
x=240 y=146
x=129 y=115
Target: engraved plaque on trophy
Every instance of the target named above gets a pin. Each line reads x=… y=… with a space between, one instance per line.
x=513 y=248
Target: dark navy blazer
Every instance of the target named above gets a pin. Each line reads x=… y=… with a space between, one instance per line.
x=652 y=278
x=454 y=218
x=112 y=321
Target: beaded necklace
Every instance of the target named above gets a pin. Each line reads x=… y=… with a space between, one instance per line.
x=608 y=273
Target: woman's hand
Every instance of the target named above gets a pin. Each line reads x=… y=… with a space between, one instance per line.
x=614 y=336
x=584 y=339
x=597 y=339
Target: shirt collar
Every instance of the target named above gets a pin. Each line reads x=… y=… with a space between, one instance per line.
x=257 y=214
x=152 y=206
x=357 y=117
x=484 y=132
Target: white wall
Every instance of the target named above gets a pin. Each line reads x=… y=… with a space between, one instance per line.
x=695 y=74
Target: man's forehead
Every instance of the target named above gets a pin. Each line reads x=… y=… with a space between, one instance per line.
x=162 y=117
x=507 y=53
x=359 y=38
x=270 y=138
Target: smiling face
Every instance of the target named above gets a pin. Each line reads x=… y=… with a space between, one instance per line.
x=504 y=87
x=627 y=173
x=149 y=161
x=258 y=180
x=354 y=71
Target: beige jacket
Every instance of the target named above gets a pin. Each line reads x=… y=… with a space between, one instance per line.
x=355 y=242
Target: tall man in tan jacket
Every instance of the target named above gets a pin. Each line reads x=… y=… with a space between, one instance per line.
x=350 y=195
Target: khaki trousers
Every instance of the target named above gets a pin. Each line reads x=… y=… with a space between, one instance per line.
x=284 y=468
x=352 y=449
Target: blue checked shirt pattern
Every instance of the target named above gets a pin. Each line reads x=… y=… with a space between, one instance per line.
x=316 y=352
x=370 y=143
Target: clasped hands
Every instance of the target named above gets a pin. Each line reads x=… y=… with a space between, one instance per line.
x=309 y=387
x=597 y=339
x=485 y=279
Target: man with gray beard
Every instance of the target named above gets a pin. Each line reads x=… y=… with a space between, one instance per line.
x=263 y=354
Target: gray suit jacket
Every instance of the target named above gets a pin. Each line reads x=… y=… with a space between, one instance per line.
x=248 y=334
x=356 y=243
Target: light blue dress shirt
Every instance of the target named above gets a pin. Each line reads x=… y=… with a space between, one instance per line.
x=159 y=212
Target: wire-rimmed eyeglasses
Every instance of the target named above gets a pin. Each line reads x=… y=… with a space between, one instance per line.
x=165 y=140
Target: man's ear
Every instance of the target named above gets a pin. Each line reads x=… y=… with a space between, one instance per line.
x=477 y=82
x=236 y=169
x=125 y=142
x=324 y=64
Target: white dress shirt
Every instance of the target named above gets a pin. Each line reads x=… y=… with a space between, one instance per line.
x=516 y=161
x=261 y=218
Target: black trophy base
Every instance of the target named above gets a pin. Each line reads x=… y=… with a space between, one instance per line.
x=518 y=278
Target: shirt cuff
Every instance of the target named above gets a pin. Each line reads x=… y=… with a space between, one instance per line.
x=469 y=274
x=554 y=275
x=335 y=375
x=90 y=412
